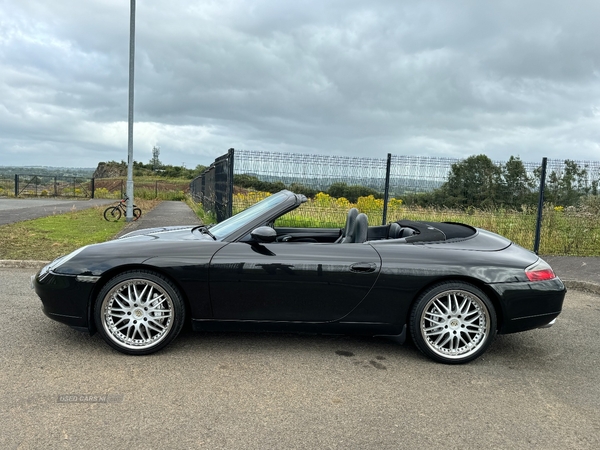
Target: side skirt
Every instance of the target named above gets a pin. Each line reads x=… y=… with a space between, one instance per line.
x=361 y=328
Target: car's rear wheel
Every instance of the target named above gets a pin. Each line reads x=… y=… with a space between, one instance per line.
x=139 y=312
x=453 y=322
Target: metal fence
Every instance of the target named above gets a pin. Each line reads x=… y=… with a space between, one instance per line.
x=21 y=185
x=155 y=189
x=214 y=187
x=7 y=186
x=51 y=186
x=503 y=197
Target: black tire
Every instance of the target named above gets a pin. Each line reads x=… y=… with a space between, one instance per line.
x=139 y=312
x=137 y=213
x=453 y=322
x=112 y=214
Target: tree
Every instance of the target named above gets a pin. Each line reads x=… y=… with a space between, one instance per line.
x=517 y=187
x=474 y=181
x=566 y=187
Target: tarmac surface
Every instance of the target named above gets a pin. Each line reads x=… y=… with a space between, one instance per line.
x=582 y=273
x=19 y=210
x=165 y=214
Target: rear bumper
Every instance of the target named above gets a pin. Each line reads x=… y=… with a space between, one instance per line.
x=529 y=305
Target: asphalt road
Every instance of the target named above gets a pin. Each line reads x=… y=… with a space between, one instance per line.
x=16 y=210
x=539 y=389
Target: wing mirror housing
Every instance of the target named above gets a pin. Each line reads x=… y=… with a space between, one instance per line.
x=264 y=234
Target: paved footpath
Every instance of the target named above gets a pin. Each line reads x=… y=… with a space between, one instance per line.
x=577 y=272
x=165 y=214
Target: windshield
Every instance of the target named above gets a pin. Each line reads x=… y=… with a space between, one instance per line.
x=228 y=226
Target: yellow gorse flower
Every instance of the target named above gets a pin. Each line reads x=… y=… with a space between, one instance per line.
x=323 y=210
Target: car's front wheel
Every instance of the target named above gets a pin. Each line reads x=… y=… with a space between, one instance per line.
x=453 y=322
x=139 y=312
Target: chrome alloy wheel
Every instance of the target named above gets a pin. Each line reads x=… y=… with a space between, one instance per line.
x=455 y=324
x=137 y=314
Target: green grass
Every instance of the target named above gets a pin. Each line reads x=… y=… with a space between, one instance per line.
x=206 y=217
x=564 y=232
x=148 y=188
x=49 y=237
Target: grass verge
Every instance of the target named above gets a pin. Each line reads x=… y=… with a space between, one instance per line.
x=49 y=237
x=207 y=218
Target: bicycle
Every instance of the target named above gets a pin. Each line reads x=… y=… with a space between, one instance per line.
x=113 y=213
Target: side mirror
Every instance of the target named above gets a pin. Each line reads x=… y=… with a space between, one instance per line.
x=264 y=234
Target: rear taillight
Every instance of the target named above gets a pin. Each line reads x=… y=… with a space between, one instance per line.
x=540 y=271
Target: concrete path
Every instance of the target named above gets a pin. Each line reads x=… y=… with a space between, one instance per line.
x=577 y=271
x=167 y=213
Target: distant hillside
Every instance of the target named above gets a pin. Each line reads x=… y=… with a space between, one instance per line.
x=10 y=171
x=398 y=186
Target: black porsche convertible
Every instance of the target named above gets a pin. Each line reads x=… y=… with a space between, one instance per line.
x=450 y=286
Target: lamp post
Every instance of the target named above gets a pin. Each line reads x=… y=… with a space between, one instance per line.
x=129 y=190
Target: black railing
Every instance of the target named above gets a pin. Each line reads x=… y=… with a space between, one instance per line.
x=52 y=186
x=214 y=187
x=21 y=185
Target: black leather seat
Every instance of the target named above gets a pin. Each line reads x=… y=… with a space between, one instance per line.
x=350 y=219
x=397 y=232
x=358 y=234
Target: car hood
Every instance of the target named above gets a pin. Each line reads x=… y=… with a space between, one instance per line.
x=137 y=248
x=168 y=233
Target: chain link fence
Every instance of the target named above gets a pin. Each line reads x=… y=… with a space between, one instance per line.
x=501 y=196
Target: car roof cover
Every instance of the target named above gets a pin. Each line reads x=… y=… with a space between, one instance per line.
x=437 y=231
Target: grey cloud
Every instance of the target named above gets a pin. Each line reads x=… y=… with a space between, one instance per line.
x=345 y=77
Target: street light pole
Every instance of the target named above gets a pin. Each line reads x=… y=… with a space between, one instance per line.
x=129 y=213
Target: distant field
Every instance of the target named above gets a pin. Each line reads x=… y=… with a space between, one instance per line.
x=564 y=232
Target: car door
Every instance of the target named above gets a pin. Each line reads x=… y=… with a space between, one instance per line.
x=291 y=281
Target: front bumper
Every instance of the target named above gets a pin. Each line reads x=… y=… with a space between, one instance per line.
x=64 y=298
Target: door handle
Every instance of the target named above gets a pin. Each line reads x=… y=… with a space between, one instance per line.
x=363 y=267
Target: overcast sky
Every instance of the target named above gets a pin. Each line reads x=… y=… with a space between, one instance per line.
x=345 y=77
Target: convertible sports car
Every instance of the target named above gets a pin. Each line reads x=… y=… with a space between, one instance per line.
x=451 y=286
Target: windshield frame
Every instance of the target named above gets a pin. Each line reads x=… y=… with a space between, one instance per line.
x=261 y=213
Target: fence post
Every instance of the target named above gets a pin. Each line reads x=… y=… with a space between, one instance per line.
x=538 y=225
x=93 y=187
x=55 y=188
x=16 y=185
x=386 y=192
x=230 y=184
x=155 y=189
